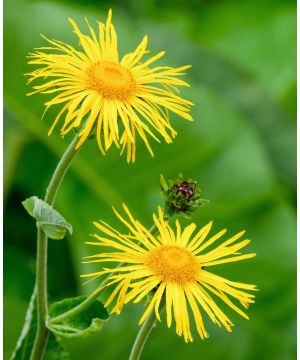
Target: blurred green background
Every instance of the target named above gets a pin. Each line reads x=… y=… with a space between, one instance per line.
x=240 y=148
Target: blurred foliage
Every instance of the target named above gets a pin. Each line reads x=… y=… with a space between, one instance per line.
x=240 y=149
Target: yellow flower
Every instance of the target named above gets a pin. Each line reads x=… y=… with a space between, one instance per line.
x=121 y=98
x=172 y=267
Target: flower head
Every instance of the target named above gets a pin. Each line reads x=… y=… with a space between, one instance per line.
x=118 y=99
x=172 y=267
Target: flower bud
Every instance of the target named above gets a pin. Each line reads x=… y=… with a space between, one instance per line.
x=181 y=196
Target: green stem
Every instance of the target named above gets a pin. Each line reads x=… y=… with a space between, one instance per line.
x=60 y=171
x=144 y=333
x=41 y=297
x=89 y=300
x=41 y=261
x=76 y=310
x=146 y=328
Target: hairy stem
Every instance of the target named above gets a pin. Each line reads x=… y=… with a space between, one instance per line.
x=41 y=261
x=144 y=333
x=41 y=297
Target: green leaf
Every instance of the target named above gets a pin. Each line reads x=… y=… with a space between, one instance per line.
x=88 y=321
x=54 y=225
x=26 y=339
x=54 y=350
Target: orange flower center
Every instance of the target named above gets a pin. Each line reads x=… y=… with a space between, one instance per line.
x=111 y=80
x=173 y=263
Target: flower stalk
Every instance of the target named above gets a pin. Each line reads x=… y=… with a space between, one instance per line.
x=143 y=334
x=42 y=252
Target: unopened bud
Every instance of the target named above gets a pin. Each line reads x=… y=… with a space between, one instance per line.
x=181 y=195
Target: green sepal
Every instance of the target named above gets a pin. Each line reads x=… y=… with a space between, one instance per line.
x=163 y=183
x=87 y=322
x=54 y=224
x=92 y=134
